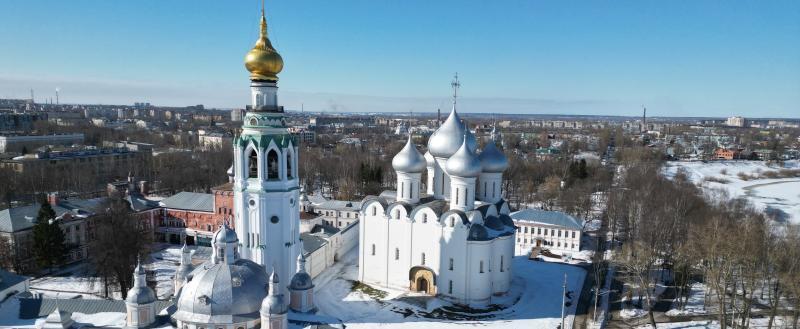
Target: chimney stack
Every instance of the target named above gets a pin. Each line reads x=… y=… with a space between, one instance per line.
x=52 y=198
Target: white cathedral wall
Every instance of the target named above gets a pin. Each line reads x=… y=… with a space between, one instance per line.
x=454 y=247
x=479 y=283
x=502 y=255
x=374 y=233
x=425 y=238
x=399 y=238
x=440 y=243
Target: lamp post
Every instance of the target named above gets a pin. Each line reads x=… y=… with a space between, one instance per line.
x=563 y=300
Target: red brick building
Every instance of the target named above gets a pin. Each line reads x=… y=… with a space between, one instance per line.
x=193 y=217
x=726 y=154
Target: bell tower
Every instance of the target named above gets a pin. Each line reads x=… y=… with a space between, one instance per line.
x=265 y=183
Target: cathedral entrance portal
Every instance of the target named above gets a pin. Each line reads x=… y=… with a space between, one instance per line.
x=422 y=285
x=422 y=280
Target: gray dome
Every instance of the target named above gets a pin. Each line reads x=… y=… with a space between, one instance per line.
x=219 y=292
x=274 y=303
x=494 y=222
x=301 y=281
x=477 y=233
x=429 y=159
x=446 y=140
x=492 y=160
x=225 y=235
x=408 y=160
x=463 y=163
x=507 y=221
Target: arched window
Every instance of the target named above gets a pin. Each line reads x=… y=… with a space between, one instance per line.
x=373 y=249
x=501 y=264
x=481 y=267
x=289 y=173
x=374 y=211
x=452 y=222
x=252 y=164
x=457 y=193
x=396 y=253
x=424 y=218
x=272 y=165
x=397 y=214
x=451 y=264
x=423 y=258
x=494 y=189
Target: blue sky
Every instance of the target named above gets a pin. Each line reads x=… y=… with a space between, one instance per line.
x=681 y=58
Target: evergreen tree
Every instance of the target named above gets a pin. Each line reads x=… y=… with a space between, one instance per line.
x=48 y=239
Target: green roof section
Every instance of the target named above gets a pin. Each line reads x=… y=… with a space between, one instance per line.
x=190 y=201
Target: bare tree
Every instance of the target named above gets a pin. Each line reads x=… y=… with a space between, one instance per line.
x=118 y=240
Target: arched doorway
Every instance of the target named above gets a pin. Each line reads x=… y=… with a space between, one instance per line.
x=422 y=279
x=422 y=284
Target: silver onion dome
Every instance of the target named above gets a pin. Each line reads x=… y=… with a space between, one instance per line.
x=225 y=235
x=218 y=292
x=274 y=303
x=464 y=163
x=140 y=293
x=492 y=160
x=409 y=160
x=446 y=140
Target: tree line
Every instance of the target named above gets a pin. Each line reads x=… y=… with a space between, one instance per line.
x=669 y=226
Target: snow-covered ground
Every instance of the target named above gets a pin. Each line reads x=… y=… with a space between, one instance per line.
x=78 y=282
x=533 y=302
x=754 y=324
x=695 y=304
x=780 y=197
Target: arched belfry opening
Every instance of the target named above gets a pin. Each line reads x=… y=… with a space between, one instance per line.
x=272 y=165
x=252 y=164
x=289 y=173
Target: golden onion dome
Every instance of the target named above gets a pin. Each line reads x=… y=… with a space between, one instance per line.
x=263 y=61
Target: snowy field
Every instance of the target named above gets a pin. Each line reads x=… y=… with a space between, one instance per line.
x=534 y=300
x=780 y=197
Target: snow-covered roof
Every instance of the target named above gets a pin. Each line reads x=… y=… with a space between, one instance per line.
x=555 y=218
x=31 y=308
x=190 y=201
x=8 y=279
x=312 y=242
x=340 y=205
x=21 y=218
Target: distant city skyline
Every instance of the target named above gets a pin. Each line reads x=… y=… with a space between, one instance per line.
x=693 y=58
